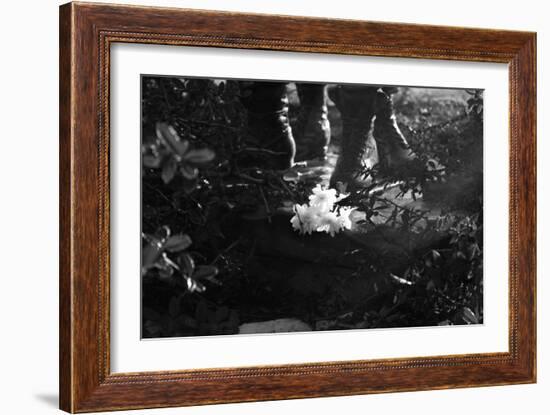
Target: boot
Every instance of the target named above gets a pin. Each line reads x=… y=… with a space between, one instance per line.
x=268 y=124
x=393 y=149
x=357 y=108
x=312 y=132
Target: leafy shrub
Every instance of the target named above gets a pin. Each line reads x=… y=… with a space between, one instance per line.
x=209 y=260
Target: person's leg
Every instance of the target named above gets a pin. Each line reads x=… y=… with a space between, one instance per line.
x=268 y=122
x=357 y=108
x=312 y=132
x=393 y=149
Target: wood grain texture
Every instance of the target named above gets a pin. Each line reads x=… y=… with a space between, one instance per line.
x=65 y=247
x=86 y=33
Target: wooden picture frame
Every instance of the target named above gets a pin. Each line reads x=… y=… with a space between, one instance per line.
x=86 y=33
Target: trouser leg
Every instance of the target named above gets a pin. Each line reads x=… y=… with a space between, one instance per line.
x=357 y=106
x=393 y=148
x=312 y=132
x=268 y=122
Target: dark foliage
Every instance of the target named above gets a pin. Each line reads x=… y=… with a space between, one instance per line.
x=211 y=260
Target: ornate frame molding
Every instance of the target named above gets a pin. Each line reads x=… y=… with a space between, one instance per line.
x=86 y=33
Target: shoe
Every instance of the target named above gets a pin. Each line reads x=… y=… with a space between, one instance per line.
x=393 y=149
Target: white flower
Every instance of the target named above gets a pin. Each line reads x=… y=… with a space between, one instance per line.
x=320 y=214
x=330 y=223
x=306 y=218
x=334 y=222
x=324 y=198
x=344 y=218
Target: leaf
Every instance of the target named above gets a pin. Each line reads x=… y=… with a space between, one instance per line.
x=169 y=170
x=433 y=258
x=189 y=172
x=468 y=316
x=194 y=286
x=187 y=264
x=151 y=161
x=341 y=187
x=189 y=185
x=149 y=255
x=163 y=233
x=430 y=286
x=384 y=311
x=168 y=262
x=168 y=135
x=291 y=176
x=178 y=243
x=166 y=273
x=473 y=251
x=205 y=272
x=400 y=280
x=200 y=156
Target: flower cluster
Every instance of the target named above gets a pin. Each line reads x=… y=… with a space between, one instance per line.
x=321 y=213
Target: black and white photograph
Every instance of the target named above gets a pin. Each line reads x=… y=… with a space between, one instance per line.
x=273 y=206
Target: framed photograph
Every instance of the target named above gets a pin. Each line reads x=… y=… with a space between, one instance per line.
x=258 y=207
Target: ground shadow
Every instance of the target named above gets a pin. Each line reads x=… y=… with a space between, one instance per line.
x=50 y=399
